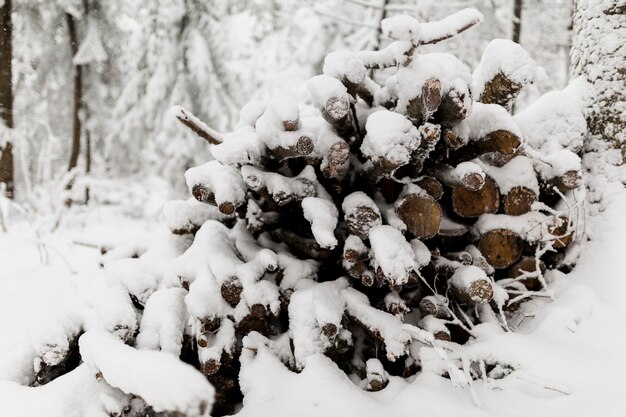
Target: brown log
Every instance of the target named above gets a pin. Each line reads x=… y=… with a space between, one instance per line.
x=421 y=214
x=338 y=113
x=469 y=204
x=361 y=217
x=421 y=108
x=355 y=258
x=303 y=146
x=434 y=305
x=560 y=231
x=518 y=201
x=566 y=182
x=528 y=264
x=479 y=260
x=436 y=327
x=453 y=141
x=501 y=247
x=500 y=90
x=472 y=181
x=231 y=291
x=501 y=140
x=462 y=257
x=255 y=321
x=280 y=189
x=452 y=109
x=432 y=186
x=470 y=285
x=307 y=246
x=377 y=378
x=429 y=137
x=338 y=161
x=204 y=195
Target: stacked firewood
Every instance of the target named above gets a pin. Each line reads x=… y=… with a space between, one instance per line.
x=411 y=201
x=405 y=208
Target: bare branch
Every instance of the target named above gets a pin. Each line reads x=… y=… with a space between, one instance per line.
x=197 y=126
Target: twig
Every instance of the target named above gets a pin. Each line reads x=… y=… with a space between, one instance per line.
x=197 y=126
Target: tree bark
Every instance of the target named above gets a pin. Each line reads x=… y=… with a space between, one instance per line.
x=78 y=94
x=517 y=21
x=599 y=54
x=6 y=96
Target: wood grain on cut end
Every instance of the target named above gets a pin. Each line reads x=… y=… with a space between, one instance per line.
x=421 y=214
x=518 y=201
x=468 y=204
x=501 y=247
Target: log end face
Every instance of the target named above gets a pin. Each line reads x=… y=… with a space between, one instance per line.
x=501 y=247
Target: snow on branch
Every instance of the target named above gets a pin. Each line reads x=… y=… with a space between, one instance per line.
x=434 y=32
x=197 y=126
x=160 y=379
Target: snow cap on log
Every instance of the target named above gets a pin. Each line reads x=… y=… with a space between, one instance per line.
x=392 y=254
x=217 y=184
x=160 y=379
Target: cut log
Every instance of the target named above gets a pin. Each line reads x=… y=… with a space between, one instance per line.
x=231 y=291
x=432 y=186
x=559 y=230
x=503 y=141
x=453 y=141
x=361 y=214
x=468 y=175
x=421 y=214
x=518 y=201
x=422 y=107
x=436 y=326
x=500 y=90
x=282 y=190
x=303 y=146
x=501 y=247
x=434 y=305
x=470 y=285
x=528 y=266
x=470 y=204
x=455 y=106
x=217 y=184
x=338 y=161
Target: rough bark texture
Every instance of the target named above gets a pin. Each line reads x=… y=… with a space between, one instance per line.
x=78 y=94
x=6 y=96
x=599 y=54
x=517 y=20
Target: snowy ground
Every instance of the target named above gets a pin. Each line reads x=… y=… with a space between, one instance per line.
x=569 y=352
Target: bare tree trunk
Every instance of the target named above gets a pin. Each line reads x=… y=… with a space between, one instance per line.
x=383 y=15
x=78 y=92
x=599 y=54
x=87 y=162
x=517 y=20
x=6 y=96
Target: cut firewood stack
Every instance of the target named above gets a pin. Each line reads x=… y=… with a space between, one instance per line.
x=344 y=228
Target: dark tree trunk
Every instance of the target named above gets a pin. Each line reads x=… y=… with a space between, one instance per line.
x=383 y=15
x=6 y=96
x=87 y=162
x=78 y=93
x=517 y=20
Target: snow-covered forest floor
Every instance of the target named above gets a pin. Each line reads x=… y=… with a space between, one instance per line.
x=568 y=352
x=327 y=208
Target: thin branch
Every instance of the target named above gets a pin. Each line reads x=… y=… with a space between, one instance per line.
x=450 y=26
x=197 y=126
x=364 y=4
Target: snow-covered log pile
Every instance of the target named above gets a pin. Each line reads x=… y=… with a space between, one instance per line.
x=390 y=218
